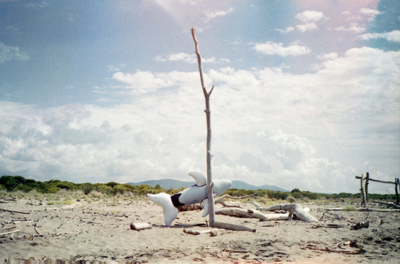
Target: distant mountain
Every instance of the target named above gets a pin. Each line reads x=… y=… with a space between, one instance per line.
x=246 y=186
x=166 y=183
x=175 y=184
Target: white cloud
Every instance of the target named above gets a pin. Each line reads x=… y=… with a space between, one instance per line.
x=346 y=13
x=389 y=36
x=286 y=30
x=360 y=21
x=328 y=56
x=312 y=131
x=307 y=27
x=8 y=53
x=271 y=48
x=354 y=27
x=310 y=16
x=189 y=58
x=146 y=82
x=211 y=14
x=308 y=19
x=370 y=13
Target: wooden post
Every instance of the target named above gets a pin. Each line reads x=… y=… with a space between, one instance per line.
x=396 y=185
x=362 y=190
x=211 y=211
x=366 y=187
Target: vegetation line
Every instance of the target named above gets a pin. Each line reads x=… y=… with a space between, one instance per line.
x=19 y=183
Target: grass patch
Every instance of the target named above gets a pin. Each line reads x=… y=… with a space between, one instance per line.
x=350 y=208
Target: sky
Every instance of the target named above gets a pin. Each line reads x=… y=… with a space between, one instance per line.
x=307 y=92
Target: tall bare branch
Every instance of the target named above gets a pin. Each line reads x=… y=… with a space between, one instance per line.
x=207 y=95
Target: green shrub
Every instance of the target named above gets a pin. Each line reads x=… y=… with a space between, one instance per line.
x=291 y=199
x=120 y=188
x=105 y=189
x=85 y=187
x=52 y=189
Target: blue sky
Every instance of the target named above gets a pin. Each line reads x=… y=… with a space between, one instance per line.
x=306 y=92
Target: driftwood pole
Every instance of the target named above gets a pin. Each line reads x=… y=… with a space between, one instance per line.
x=211 y=211
x=396 y=184
x=363 y=202
x=366 y=187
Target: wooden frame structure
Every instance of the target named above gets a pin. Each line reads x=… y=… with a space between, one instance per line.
x=364 y=181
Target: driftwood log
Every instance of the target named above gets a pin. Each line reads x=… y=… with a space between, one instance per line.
x=8 y=233
x=364 y=210
x=293 y=209
x=13 y=212
x=140 y=226
x=229 y=226
x=220 y=200
x=199 y=232
x=250 y=213
x=224 y=204
x=388 y=204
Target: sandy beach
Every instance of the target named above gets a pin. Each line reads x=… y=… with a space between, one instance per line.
x=98 y=230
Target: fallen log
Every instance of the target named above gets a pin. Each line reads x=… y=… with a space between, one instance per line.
x=8 y=233
x=199 y=232
x=221 y=201
x=233 y=227
x=388 y=204
x=250 y=213
x=13 y=212
x=364 y=210
x=237 y=197
x=296 y=209
x=236 y=213
x=300 y=213
x=190 y=225
x=140 y=226
x=273 y=208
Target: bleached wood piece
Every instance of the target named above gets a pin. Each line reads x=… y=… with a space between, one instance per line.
x=237 y=197
x=273 y=208
x=229 y=226
x=250 y=213
x=388 y=204
x=12 y=211
x=9 y=233
x=221 y=201
x=140 y=226
x=237 y=212
x=300 y=212
x=268 y=217
x=199 y=232
x=364 y=210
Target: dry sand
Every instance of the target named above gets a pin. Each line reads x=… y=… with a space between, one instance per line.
x=100 y=231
